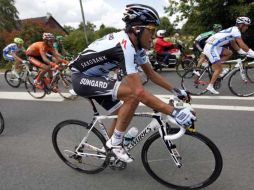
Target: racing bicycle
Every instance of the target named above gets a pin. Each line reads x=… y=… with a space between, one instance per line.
x=176 y=157
x=16 y=78
x=240 y=78
x=60 y=83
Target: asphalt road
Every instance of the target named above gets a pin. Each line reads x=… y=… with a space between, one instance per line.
x=28 y=161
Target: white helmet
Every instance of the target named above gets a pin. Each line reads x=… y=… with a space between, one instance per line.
x=161 y=33
x=243 y=20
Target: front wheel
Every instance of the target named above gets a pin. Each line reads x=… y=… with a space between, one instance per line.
x=91 y=157
x=201 y=161
x=12 y=79
x=1 y=123
x=240 y=87
x=64 y=85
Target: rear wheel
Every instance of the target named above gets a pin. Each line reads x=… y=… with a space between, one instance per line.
x=185 y=65
x=66 y=138
x=31 y=89
x=12 y=79
x=240 y=87
x=195 y=84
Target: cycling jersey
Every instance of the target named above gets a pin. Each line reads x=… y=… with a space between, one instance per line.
x=9 y=49
x=224 y=37
x=204 y=36
x=58 y=47
x=213 y=47
x=113 y=50
x=199 y=42
x=37 y=48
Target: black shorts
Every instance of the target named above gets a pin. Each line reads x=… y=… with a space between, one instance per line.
x=101 y=89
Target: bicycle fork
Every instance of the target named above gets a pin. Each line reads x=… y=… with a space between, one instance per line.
x=170 y=146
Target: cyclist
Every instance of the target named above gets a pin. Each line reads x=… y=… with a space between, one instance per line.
x=162 y=46
x=124 y=49
x=199 y=44
x=59 y=46
x=217 y=54
x=43 y=55
x=10 y=54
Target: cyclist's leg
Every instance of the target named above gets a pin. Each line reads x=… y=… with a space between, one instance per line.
x=100 y=86
x=38 y=62
x=213 y=54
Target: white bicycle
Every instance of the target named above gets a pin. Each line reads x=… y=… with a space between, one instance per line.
x=176 y=157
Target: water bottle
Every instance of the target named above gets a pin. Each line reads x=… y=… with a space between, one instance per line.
x=224 y=71
x=130 y=135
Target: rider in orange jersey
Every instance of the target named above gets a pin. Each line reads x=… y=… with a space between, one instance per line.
x=43 y=55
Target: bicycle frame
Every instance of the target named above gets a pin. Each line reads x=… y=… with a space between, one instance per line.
x=162 y=126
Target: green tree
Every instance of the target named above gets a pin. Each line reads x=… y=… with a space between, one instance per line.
x=166 y=25
x=8 y=14
x=202 y=14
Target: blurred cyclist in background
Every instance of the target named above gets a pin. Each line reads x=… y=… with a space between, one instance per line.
x=44 y=56
x=59 y=46
x=10 y=54
x=217 y=54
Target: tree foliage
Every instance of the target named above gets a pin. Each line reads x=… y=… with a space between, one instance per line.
x=8 y=14
x=202 y=14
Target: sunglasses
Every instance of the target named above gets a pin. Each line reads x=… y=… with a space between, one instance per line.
x=151 y=29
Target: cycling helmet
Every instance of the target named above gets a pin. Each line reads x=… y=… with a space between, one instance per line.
x=138 y=14
x=217 y=27
x=60 y=38
x=19 y=41
x=243 y=20
x=48 y=36
x=161 y=33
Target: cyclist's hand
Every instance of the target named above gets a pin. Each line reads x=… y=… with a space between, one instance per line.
x=250 y=53
x=184 y=117
x=182 y=94
x=56 y=67
x=241 y=52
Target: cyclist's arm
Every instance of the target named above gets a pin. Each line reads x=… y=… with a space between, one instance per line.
x=44 y=57
x=16 y=57
x=58 y=57
x=142 y=95
x=241 y=44
x=156 y=78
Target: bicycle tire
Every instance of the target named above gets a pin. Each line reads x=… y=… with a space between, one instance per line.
x=238 y=86
x=77 y=162
x=196 y=85
x=11 y=79
x=31 y=89
x=189 y=147
x=184 y=66
x=64 y=85
x=1 y=123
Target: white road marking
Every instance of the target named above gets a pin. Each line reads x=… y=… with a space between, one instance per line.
x=54 y=97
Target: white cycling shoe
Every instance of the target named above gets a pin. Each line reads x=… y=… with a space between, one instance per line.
x=212 y=90
x=196 y=73
x=120 y=152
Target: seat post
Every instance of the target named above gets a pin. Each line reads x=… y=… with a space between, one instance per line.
x=96 y=113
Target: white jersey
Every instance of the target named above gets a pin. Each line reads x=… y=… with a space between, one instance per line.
x=113 y=49
x=224 y=37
